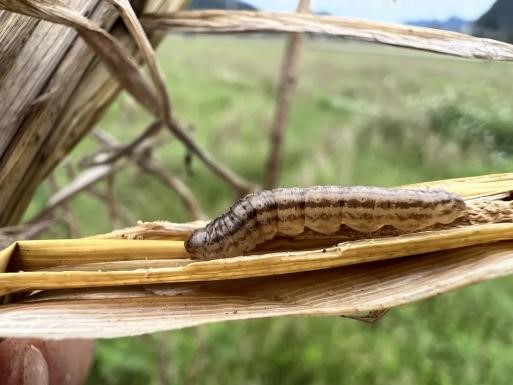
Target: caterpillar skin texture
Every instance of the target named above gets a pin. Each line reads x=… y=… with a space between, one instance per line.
x=288 y=211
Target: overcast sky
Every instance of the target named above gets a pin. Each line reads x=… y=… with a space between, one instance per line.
x=388 y=10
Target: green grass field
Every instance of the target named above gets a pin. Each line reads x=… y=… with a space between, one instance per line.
x=363 y=114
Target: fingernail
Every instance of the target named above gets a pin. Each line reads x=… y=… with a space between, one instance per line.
x=35 y=367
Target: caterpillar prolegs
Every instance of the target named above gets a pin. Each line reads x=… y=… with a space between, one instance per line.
x=288 y=211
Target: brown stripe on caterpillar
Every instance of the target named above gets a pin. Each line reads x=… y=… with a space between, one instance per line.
x=288 y=211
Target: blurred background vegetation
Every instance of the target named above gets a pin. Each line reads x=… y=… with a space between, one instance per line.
x=362 y=114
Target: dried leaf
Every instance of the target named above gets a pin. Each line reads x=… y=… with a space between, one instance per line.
x=341 y=291
x=136 y=30
x=450 y=43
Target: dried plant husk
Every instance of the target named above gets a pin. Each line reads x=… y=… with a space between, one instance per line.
x=350 y=290
x=55 y=85
x=94 y=273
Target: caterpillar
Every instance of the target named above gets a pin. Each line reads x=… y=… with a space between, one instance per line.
x=288 y=211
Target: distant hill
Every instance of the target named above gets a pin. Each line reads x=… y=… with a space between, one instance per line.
x=322 y=13
x=452 y=24
x=220 y=4
x=497 y=23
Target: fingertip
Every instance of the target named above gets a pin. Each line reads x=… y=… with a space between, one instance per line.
x=41 y=362
x=35 y=367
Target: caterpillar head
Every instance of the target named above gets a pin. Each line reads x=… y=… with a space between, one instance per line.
x=196 y=243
